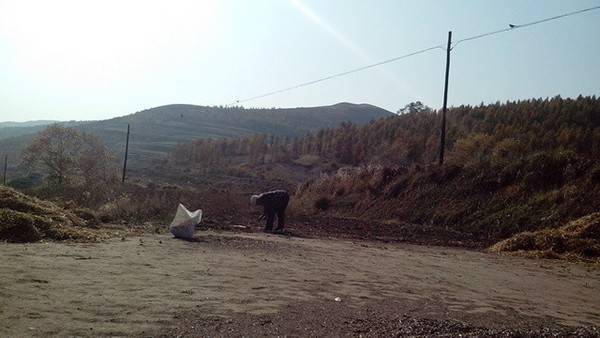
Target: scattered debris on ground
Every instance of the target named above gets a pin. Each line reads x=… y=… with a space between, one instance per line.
x=306 y=319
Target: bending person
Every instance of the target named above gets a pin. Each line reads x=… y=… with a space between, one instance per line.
x=275 y=202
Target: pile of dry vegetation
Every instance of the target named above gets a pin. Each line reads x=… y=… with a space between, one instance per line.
x=578 y=239
x=28 y=219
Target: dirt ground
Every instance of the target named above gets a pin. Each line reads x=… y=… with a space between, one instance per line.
x=227 y=284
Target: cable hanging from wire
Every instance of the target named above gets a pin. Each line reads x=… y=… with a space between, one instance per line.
x=511 y=27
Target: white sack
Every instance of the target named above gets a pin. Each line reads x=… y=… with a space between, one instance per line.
x=185 y=222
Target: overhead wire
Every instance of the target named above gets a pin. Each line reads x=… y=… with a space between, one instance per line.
x=308 y=83
x=511 y=27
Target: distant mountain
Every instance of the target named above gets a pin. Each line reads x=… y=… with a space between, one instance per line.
x=11 y=124
x=13 y=129
x=157 y=130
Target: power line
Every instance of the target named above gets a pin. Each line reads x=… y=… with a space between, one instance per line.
x=474 y=37
x=304 y=84
x=512 y=27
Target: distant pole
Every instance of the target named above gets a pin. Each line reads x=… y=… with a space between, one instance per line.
x=443 y=133
x=5 y=166
x=126 y=152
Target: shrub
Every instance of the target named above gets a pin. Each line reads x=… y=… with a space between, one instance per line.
x=322 y=203
x=551 y=165
x=88 y=215
x=471 y=151
x=308 y=160
x=26 y=182
x=506 y=152
x=340 y=191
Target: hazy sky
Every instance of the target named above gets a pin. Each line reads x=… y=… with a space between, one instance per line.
x=85 y=59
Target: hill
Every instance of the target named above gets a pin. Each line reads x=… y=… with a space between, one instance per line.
x=156 y=131
x=11 y=124
x=511 y=167
x=27 y=129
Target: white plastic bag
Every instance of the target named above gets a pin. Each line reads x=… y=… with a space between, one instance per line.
x=185 y=222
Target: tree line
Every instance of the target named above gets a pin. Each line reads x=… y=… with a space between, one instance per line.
x=485 y=133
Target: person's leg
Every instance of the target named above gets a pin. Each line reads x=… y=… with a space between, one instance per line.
x=280 y=219
x=281 y=211
x=270 y=219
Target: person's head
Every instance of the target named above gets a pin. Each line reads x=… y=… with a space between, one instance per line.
x=253 y=200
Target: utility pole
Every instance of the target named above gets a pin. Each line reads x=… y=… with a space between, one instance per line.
x=5 y=166
x=126 y=152
x=443 y=132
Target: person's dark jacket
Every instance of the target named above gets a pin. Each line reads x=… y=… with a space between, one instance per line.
x=273 y=201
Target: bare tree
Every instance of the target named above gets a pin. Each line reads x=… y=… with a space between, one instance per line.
x=67 y=156
x=54 y=151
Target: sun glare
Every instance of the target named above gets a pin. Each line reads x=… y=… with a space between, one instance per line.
x=83 y=42
x=349 y=44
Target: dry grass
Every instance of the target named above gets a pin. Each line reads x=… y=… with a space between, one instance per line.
x=27 y=219
x=579 y=239
x=474 y=202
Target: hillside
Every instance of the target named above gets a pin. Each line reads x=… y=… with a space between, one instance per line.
x=156 y=131
x=503 y=133
x=25 y=130
x=11 y=124
x=511 y=167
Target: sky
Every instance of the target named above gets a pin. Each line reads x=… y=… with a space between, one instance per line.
x=88 y=60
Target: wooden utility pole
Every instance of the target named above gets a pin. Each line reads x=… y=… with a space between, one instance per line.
x=443 y=131
x=126 y=152
x=5 y=166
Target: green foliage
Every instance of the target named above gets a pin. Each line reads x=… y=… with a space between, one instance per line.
x=414 y=107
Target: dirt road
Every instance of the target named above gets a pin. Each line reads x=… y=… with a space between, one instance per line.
x=143 y=285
